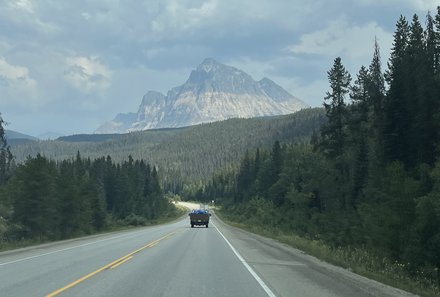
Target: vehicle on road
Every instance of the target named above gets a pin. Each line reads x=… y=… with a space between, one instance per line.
x=199 y=217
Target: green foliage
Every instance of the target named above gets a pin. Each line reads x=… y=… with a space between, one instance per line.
x=48 y=200
x=389 y=213
x=369 y=187
x=186 y=155
x=6 y=158
x=333 y=133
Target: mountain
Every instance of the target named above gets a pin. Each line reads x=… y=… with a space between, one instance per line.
x=50 y=135
x=16 y=138
x=11 y=134
x=189 y=153
x=89 y=137
x=120 y=124
x=213 y=92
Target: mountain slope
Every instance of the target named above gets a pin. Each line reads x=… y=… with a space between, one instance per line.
x=11 y=134
x=16 y=138
x=213 y=92
x=189 y=153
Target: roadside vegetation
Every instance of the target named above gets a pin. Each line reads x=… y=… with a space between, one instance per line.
x=44 y=200
x=358 y=186
x=364 y=192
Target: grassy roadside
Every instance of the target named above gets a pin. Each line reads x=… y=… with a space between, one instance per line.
x=114 y=226
x=357 y=260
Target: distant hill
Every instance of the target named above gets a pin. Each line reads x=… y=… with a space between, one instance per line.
x=213 y=92
x=10 y=134
x=49 y=135
x=189 y=153
x=89 y=137
x=16 y=138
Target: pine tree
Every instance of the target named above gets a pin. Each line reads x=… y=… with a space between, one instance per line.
x=333 y=133
x=277 y=161
x=419 y=97
x=244 y=178
x=396 y=106
x=6 y=158
x=35 y=204
x=358 y=128
x=375 y=86
x=437 y=46
x=426 y=124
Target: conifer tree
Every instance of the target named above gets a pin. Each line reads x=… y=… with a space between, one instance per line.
x=333 y=133
x=5 y=153
x=437 y=45
x=244 y=178
x=375 y=86
x=397 y=115
x=358 y=128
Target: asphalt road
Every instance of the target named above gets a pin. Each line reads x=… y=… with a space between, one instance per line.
x=176 y=260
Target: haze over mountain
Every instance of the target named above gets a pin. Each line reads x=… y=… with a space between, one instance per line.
x=189 y=153
x=213 y=92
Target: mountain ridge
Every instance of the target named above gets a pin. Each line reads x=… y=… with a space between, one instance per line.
x=186 y=153
x=212 y=92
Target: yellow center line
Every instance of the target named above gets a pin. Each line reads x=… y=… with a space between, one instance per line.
x=122 y=262
x=153 y=244
x=111 y=265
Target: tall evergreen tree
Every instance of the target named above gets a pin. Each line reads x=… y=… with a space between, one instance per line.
x=358 y=128
x=277 y=161
x=35 y=204
x=375 y=86
x=421 y=94
x=396 y=108
x=333 y=134
x=5 y=153
x=437 y=44
x=244 y=178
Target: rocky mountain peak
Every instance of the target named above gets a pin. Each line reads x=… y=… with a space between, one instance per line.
x=213 y=92
x=209 y=65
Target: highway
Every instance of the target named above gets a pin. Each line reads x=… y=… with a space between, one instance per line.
x=176 y=260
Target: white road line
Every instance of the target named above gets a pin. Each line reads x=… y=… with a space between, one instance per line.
x=249 y=268
x=67 y=249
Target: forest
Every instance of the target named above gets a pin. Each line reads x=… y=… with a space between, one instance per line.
x=368 y=182
x=361 y=176
x=65 y=188
x=183 y=156
x=44 y=200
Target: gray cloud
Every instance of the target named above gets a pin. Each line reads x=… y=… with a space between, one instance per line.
x=91 y=59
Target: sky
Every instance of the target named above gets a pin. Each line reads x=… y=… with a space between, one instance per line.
x=69 y=66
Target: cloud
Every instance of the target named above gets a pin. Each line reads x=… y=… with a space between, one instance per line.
x=11 y=75
x=25 y=5
x=16 y=85
x=87 y=75
x=23 y=16
x=181 y=17
x=419 y=5
x=85 y=53
x=342 y=38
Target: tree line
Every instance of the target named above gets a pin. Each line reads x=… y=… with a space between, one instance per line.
x=185 y=156
x=43 y=199
x=370 y=177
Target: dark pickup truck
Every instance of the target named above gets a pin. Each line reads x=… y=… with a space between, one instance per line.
x=199 y=217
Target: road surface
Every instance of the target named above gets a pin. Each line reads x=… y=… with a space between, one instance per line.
x=176 y=260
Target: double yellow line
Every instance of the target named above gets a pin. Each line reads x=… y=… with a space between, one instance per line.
x=111 y=265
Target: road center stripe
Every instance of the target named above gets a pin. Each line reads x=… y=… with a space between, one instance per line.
x=111 y=265
x=122 y=262
x=70 y=248
x=248 y=267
